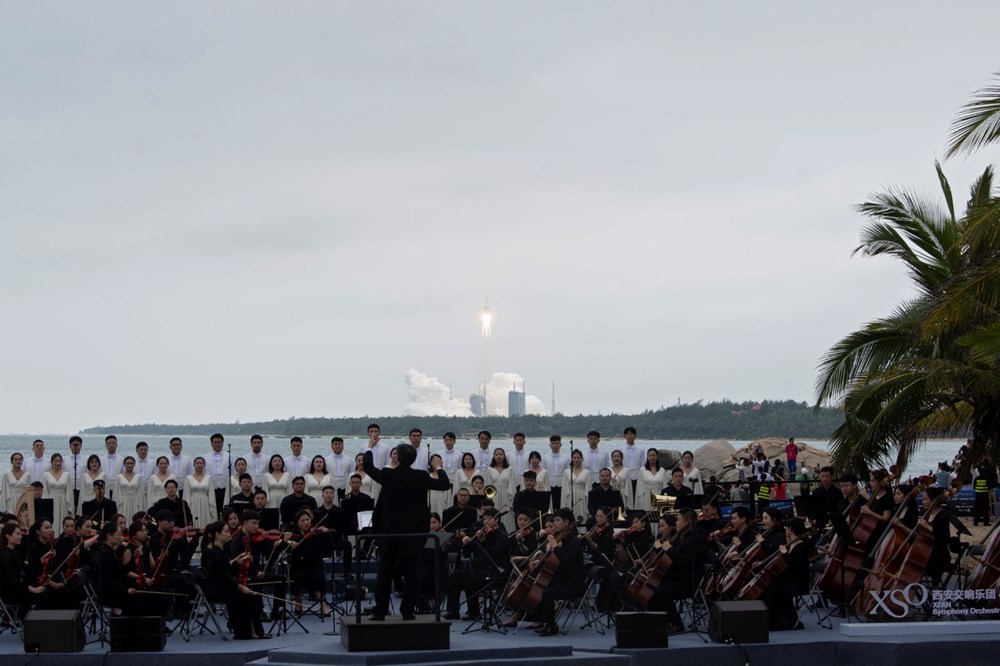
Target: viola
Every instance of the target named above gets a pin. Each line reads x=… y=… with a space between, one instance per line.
x=266 y=535
x=48 y=557
x=140 y=582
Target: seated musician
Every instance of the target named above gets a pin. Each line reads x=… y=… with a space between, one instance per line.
x=243 y=500
x=600 y=540
x=171 y=551
x=47 y=569
x=329 y=538
x=305 y=564
x=780 y=594
x=709 y=521
x=489 y=545
x=259 y=550
x=529 y=497
x=221 y=584
x=525 y=538
x=603 y=495
x=298 y=500
x=774 y=530
x=568 y=580
x=462 y=515
x=136 y=559
x=14 y=586
x=110 y=579
x=173 y=503
x=939 y=523
x=742 y=538
x=426 y=597
x=678 y=489
x=356 y=501
x=850 y=503
x=686 y=550
x=259 y=501
x=99 y=509
x=636 y=540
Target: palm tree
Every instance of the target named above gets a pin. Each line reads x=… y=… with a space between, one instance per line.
x=926 y=369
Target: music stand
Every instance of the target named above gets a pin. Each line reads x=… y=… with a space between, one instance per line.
x=270 y=519
x=45 y=508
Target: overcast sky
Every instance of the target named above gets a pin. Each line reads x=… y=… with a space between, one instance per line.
x=253 y=210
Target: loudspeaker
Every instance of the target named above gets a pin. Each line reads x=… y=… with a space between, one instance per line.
x=739 y=622
x=138 y=634
x=54 y=631
x=641 y=630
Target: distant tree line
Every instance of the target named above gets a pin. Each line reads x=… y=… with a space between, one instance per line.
x=714 y=420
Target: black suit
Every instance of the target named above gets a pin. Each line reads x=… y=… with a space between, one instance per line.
x=401 y=508
x=100 y=511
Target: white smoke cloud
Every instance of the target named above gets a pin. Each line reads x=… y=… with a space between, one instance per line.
x=496 y=390
x=429 y=397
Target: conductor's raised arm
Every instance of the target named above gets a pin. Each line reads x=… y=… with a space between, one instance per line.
x=370 y=468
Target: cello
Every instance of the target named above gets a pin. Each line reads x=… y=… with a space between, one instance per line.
x=736 y=578
x=765 y=573
x=653 y=567
x=526 y=590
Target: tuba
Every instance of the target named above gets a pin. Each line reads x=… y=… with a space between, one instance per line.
x=490 y=492
x=664 y=504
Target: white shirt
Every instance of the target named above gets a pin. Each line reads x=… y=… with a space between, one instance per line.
x=380 y=453
x=594 y=460
x=112 y=465
x=518 y=463
x=296 y=465
x=423 y=459
x=181 y=466
x=338 y=464
x=634 y=459
x=451 y=459
x=217 y=466
x=257 y=467
x=38 y=466
x=144 y=467
x=81 y=464
x=483 y=459
x=555 y=464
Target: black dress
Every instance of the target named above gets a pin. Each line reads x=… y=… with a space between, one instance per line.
x=221 y=585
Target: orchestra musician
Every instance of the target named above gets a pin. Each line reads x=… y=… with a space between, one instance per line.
x=567 y=581
x=329 y=540
x=243 y=500
x=15 y=588
x=525 y=537
x=171 y=550
x=939 y=523
x=686 y=550
x=793 y=581
x=880 y=506
x=179 y=508
x=489 y=545
x=305 y=564
x=221 y=583
x=252 y=568
x=825 y=498
x=600 y=540
x=603 y=495
x=110 y=583
x=462 y=515
x=100 y=508
x=529 y=497
x=677 y=489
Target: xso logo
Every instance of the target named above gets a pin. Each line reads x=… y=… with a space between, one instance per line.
x=913 y=595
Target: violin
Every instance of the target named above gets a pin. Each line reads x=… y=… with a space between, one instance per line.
x=244 y=575
x=266 y=535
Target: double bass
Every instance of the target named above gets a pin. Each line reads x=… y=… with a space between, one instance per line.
x=891 y=552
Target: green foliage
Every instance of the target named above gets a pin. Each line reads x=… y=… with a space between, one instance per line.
x=724 y=419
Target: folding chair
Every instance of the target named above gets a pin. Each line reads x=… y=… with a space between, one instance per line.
x=584 y=604
x=9 y=619
x=202 y=610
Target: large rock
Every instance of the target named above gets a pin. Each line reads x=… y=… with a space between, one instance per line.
x=774 y=447
x=713 y=458
x=668 y=459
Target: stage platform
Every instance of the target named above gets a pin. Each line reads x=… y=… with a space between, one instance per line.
x=813 y=646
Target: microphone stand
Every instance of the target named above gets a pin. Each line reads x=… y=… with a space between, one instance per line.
x=572 y=493
x=229 y=479
x=76 y=491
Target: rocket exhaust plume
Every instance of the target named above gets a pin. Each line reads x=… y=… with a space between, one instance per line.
x=487 y=319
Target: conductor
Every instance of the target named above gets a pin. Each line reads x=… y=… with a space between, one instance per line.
x=401 y=508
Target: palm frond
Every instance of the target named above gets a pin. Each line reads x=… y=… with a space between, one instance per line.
x=978 y=122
